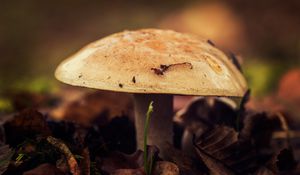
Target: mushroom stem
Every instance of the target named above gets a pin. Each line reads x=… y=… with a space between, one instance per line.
x=161 y=126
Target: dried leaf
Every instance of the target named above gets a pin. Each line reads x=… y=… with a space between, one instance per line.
x=118 y=135
x=223 y=153
x=235 y=61
x=74 y=168
x=25 y=125
x=165 y=168
x=5 y=156
x=286 y=160
x=43 y=169
x=258 y=128
x=185 y=163
x=245 y=99
x=208 y=111
x=209 y=147
x=117 y=160
x=129 y=172
x=24 y=100
x=264 y=171
x=85 y=163
x=202 y=114
x=99 y=105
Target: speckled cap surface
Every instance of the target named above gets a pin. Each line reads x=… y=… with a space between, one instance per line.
x=153 y=61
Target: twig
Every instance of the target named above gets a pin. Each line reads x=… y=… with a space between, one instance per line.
x=74 y=168
x=285 y=128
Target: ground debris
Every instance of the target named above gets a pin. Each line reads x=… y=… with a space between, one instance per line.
x=5 y=157
x=73 y=165
x=44 y=169
x=28 y=124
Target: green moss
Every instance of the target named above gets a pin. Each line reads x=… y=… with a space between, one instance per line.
x=262 y=76
x=5 y=105
x=37 y=85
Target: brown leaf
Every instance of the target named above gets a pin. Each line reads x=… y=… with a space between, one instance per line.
x=27 y=124
x=209 y=147
x=5 y=156
x=74 y=168
x=286 y=160
x=258 y=128
x=184 y=162
x=85 y=163
x=24 y=100
x=44 y=169
x=165 y=168
x=223 y=153
x=128 y=172
x=208 y=111
x=264 y=171
x=117 y=160
x=202 y=114
x=97 y=105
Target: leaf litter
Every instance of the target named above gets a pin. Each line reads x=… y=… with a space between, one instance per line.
x=106 y=144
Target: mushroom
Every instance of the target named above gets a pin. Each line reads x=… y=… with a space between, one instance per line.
x=153 y=65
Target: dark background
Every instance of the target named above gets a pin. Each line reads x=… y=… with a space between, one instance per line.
x=36 y=35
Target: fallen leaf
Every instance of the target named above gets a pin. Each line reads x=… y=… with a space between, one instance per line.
x=165 y=168
x=25 y=125
x=44 y=169
x=117 y=160
x=209 y=111
x=85 y=163
x=129 y=172
x=259 y=128
x=202 y=114
x=286 y=160
x=99 y=105
x=224 y=153
x=5 y=157
x=186 y=164
x=73 y=165
x=264 y=171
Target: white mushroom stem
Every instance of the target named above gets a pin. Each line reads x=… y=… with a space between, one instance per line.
x=161 y=127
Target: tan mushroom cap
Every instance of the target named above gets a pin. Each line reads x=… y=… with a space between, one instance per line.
x=153 y=61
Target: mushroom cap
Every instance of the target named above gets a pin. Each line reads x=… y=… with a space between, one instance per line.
x=153 y=61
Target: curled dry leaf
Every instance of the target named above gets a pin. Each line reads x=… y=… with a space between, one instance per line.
x=209 y=147
x=5 y=156
x=259 y=128
x=92 y=106
x=74 y=168
x=165 y=168
x=85 y=163
x=118 y=135
x=204 y=113
x=209 y=111
x=264 y=171
x=43 y=169
x=286 y=160
x=118 y=161
x=161 y=168
x=186 y=165
x=26 y=125
x=138 y=171
x=24 y=100
x=223 y=153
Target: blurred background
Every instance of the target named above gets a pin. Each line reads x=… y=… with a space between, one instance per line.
x=36 y=35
